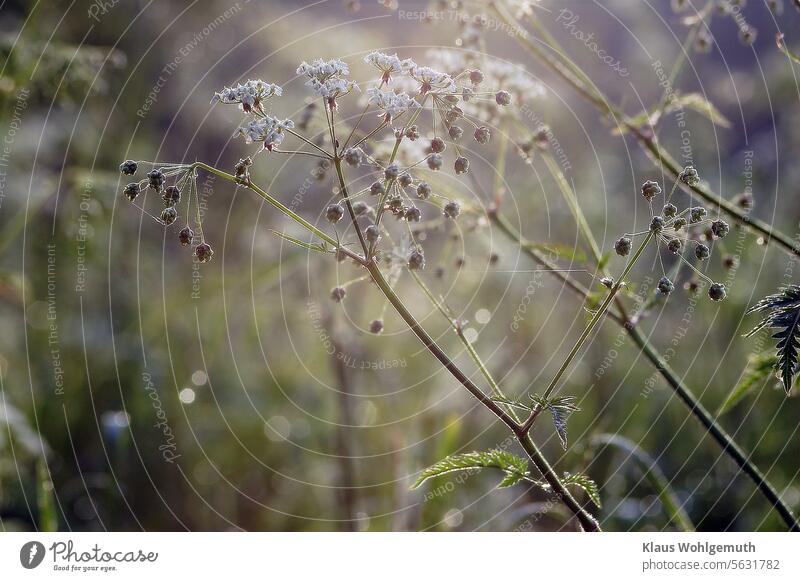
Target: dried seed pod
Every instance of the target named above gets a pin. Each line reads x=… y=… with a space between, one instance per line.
x=337 y=294
x=416 y=260
x=702 y=252
x=186 y=236
x=128 y=167
x=435 y=161
x=376 y=326
x=334 y=213
x=451 y=210
x=503 y=98
x=461 y=165
x=650 y=190
x=423 y=190
x=717 y=292
x=623 y=246
x=656 y=224
x=131 y=191
x=171 y=196
x=169 y=215
x=665 y=286
x=204 y=252
x=438 y=145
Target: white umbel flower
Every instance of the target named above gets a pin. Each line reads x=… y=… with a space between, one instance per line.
x=268 y=130
x=326 y=78
x=389 y=103
x=249 y=95
x=388 y=65
x=432 y=80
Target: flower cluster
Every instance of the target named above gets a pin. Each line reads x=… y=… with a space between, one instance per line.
x=327 y=78
x=388 y=65
x=249 y=96
x=389 y=103
x=184 y=179
x=672 y=229
x=267 y=130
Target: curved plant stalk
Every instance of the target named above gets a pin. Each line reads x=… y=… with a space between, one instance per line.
x=724 y=440
x=587 y=521
x=573 y=75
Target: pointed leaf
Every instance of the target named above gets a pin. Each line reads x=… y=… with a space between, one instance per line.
x=588 y=485
x=759 y=368
x=508 y=463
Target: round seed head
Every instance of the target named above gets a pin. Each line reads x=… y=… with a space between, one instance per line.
x=656 y=224
x=423 y=190
x=451 y=210
x=413 y=214
x=128 y=167
x=416 y=260
x=435 y=161
x=455 y=132
x=360 y=208
x=650 y=190
x=169 y=215
x=461 y=165
x=156 y=179
x=607 y=281
x=669 y=210
x=376 y=189
x=482 y=135
x=204 y=252
x=675 y=246
x=412 y=133
x=702 y=252
x=376 y=326
x=186 y=236
x=503 y=98
x=334 y=213
x=679 y=223
x=353 y=156
x=391 y=172
x=697 y=214
x=171 y=196
x=476 y=77
x=665 y=286
x=131 y=191
x=405 y=180
x=689 y=176
x=717 y=292
x=337 y=294
x=623 y=246
x=438 y=145
x=720 y=228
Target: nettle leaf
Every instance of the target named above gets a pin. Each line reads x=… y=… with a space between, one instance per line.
x=588 y=485
x=560 y=407
x=759 y=368
x=783 y=315
x=515 y=468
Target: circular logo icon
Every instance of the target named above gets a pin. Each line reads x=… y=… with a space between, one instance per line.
x=31 y=554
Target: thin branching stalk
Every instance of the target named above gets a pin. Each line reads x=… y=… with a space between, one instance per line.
x=582 y=84
x=725 y=441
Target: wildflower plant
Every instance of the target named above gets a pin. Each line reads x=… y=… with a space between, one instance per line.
x=412 y=125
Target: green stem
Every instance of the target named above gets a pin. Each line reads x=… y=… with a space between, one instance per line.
x=588 y=330
x=587 y=521
x=722 y=438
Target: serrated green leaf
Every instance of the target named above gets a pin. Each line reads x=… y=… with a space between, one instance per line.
x=560 y=407
x=515 y=468
x=585 y=483
x=783 y=315
x=759 y=368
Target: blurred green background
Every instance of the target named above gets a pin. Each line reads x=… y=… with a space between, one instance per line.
x=142 y=391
